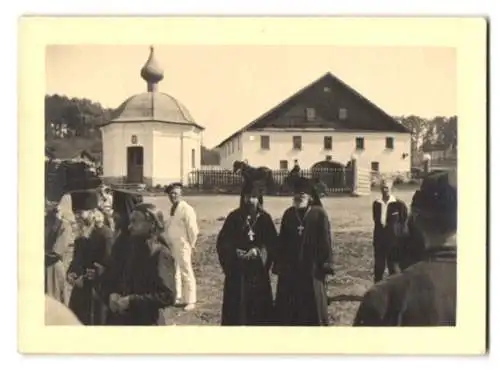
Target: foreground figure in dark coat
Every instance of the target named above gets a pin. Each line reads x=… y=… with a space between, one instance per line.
x=245 y=246
x=389 y=219
x=141 y=282
x=424 y=294
x=304 y=259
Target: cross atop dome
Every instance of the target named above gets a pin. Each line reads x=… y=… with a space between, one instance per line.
x=151 y=72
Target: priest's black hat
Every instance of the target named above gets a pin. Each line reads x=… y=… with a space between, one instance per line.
x=86 y=199
x=306 y=185
x=254 y=188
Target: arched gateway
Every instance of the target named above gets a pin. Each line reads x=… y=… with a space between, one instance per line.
x=335 y=176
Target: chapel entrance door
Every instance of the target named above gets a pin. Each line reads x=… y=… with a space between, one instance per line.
x=135 y=165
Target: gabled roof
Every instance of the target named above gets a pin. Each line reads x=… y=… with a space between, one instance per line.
x=398 y=126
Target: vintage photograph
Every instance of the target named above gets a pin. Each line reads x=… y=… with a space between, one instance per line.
x=250 y=185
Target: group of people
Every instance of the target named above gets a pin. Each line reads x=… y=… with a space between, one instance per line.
x=123 y=271
x=129 y=275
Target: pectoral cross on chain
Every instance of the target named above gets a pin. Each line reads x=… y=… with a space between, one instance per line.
x=300 y=228
x=251 y=234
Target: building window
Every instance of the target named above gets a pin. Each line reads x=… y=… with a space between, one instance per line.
x=193 y=158
x=342 y=113
x=389 y=143
x=328 y=158
x=310 y=114
x=264 y=142
x=297 y=142
x=283 y=165
x=239 y=142
x=360 y=143
x=375 y=166
x=327 y=143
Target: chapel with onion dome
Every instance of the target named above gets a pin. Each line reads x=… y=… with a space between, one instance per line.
x=152 y=138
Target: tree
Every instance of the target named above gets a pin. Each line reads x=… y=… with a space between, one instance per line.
x=418 y=128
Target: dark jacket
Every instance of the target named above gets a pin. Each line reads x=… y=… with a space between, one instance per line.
x=394 y=229
x=422 y=295
x=144 y=271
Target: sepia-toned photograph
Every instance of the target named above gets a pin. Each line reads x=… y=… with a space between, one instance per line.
x=268 y=185
x=171 y=203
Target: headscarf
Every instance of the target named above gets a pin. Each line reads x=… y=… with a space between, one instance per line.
x=153 y=214
x=157 y=219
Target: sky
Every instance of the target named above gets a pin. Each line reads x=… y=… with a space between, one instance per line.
x=225 y=87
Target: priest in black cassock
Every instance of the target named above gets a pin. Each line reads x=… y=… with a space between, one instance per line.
x=303 y=260
x=245 y=246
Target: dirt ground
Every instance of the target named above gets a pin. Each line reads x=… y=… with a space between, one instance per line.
x=351 y=223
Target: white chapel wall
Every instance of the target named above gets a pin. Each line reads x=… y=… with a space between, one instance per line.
x=167 y=158
x=116 y=138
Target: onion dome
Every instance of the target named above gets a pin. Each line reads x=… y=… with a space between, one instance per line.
x=151 y=72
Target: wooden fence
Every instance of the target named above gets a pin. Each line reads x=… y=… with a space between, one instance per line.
x=328 y=180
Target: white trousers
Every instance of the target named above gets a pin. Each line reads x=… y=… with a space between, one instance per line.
x=185 y=281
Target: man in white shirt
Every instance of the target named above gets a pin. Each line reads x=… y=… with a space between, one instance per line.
x=389 y=218
x=181 y=234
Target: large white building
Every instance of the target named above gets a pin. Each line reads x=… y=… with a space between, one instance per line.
x=152 y=138
x=326 y=122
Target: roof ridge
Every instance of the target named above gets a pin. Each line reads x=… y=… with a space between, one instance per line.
x=275 y=107
x=301 y=90
x=362 y=97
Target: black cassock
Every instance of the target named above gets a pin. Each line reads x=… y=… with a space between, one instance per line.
x=247 y=298
x=303 y=259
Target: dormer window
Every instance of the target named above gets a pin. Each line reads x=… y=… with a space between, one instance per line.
x=343 y=113
x=310 y=114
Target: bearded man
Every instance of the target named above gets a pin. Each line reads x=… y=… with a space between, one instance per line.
x=245 y=247
x=303 y=260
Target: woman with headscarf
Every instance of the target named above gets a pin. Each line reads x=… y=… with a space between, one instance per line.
x=304 y=258
x=91 y=257
x=245 y=246
x=142 y=282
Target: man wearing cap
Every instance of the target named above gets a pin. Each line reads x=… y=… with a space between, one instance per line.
x=181 y=234
x=389 y=218
x=424 y=294
x=245 y=247
x=303 y=260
